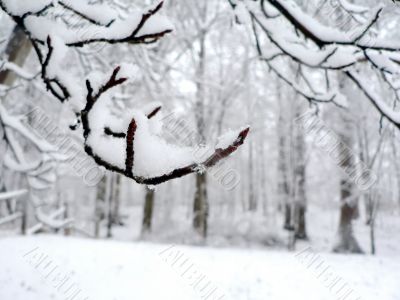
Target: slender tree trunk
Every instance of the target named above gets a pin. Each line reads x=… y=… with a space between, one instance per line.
x=396 y=170
x=372 y=236
x=24 y=218
x=117 y=188
x=68 y=229
x=301 y=230
x=252 y=196
x=200 y=206
x=284 y=188
x=109 y=200
x=288 y=217
x=99 y=205
x=283 y=185
x=300 y=206
x=200 y=220
x=263 y=182
x=148 y=211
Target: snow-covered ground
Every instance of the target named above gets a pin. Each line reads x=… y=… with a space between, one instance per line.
x=48 y=267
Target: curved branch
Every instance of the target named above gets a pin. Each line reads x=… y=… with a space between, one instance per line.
x=128 y=170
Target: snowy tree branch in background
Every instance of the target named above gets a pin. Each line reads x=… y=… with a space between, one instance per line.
x=321 y=51
x=39 y=171
x=11 y=195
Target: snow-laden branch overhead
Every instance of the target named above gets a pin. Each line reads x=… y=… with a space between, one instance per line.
x=130 y=144
x=35 y=19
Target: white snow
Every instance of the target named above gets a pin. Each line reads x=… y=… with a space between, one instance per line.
x=42 y=26
x=154 y=156
x=19 y=8
x=228 y=138
x=113 y=270
x=17 y=70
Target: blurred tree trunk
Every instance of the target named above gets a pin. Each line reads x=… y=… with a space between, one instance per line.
x=283 y=181
x=116 y=196
x=200 y=207
x=148 y=211
x=396 y=167
x=99 y=205
x=346 y=241
x=109 y=203
x=200 y=220
x=68 y=229
x=252 y=192
x=263 y=181
x=24 y=218
x=300 y=206
x=375 y=200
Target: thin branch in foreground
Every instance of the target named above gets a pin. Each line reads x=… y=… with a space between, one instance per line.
x=129 y=136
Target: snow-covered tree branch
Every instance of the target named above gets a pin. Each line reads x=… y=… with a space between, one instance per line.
x=145 y=157
x=130 y=144
x=320 y=49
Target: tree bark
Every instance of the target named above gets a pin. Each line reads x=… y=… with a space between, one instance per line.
x=346 y=241
x=68 y=229
x=116 y=196
x=109 y=200
x=301 y=230
x=99 y=205
x=148 y=211
x=24 y=218
x=252 y=193
x=200 y=206
x=283 y=184
x=300 y=206
x=200 y=220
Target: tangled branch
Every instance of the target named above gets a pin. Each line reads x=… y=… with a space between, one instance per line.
x=122 y=146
